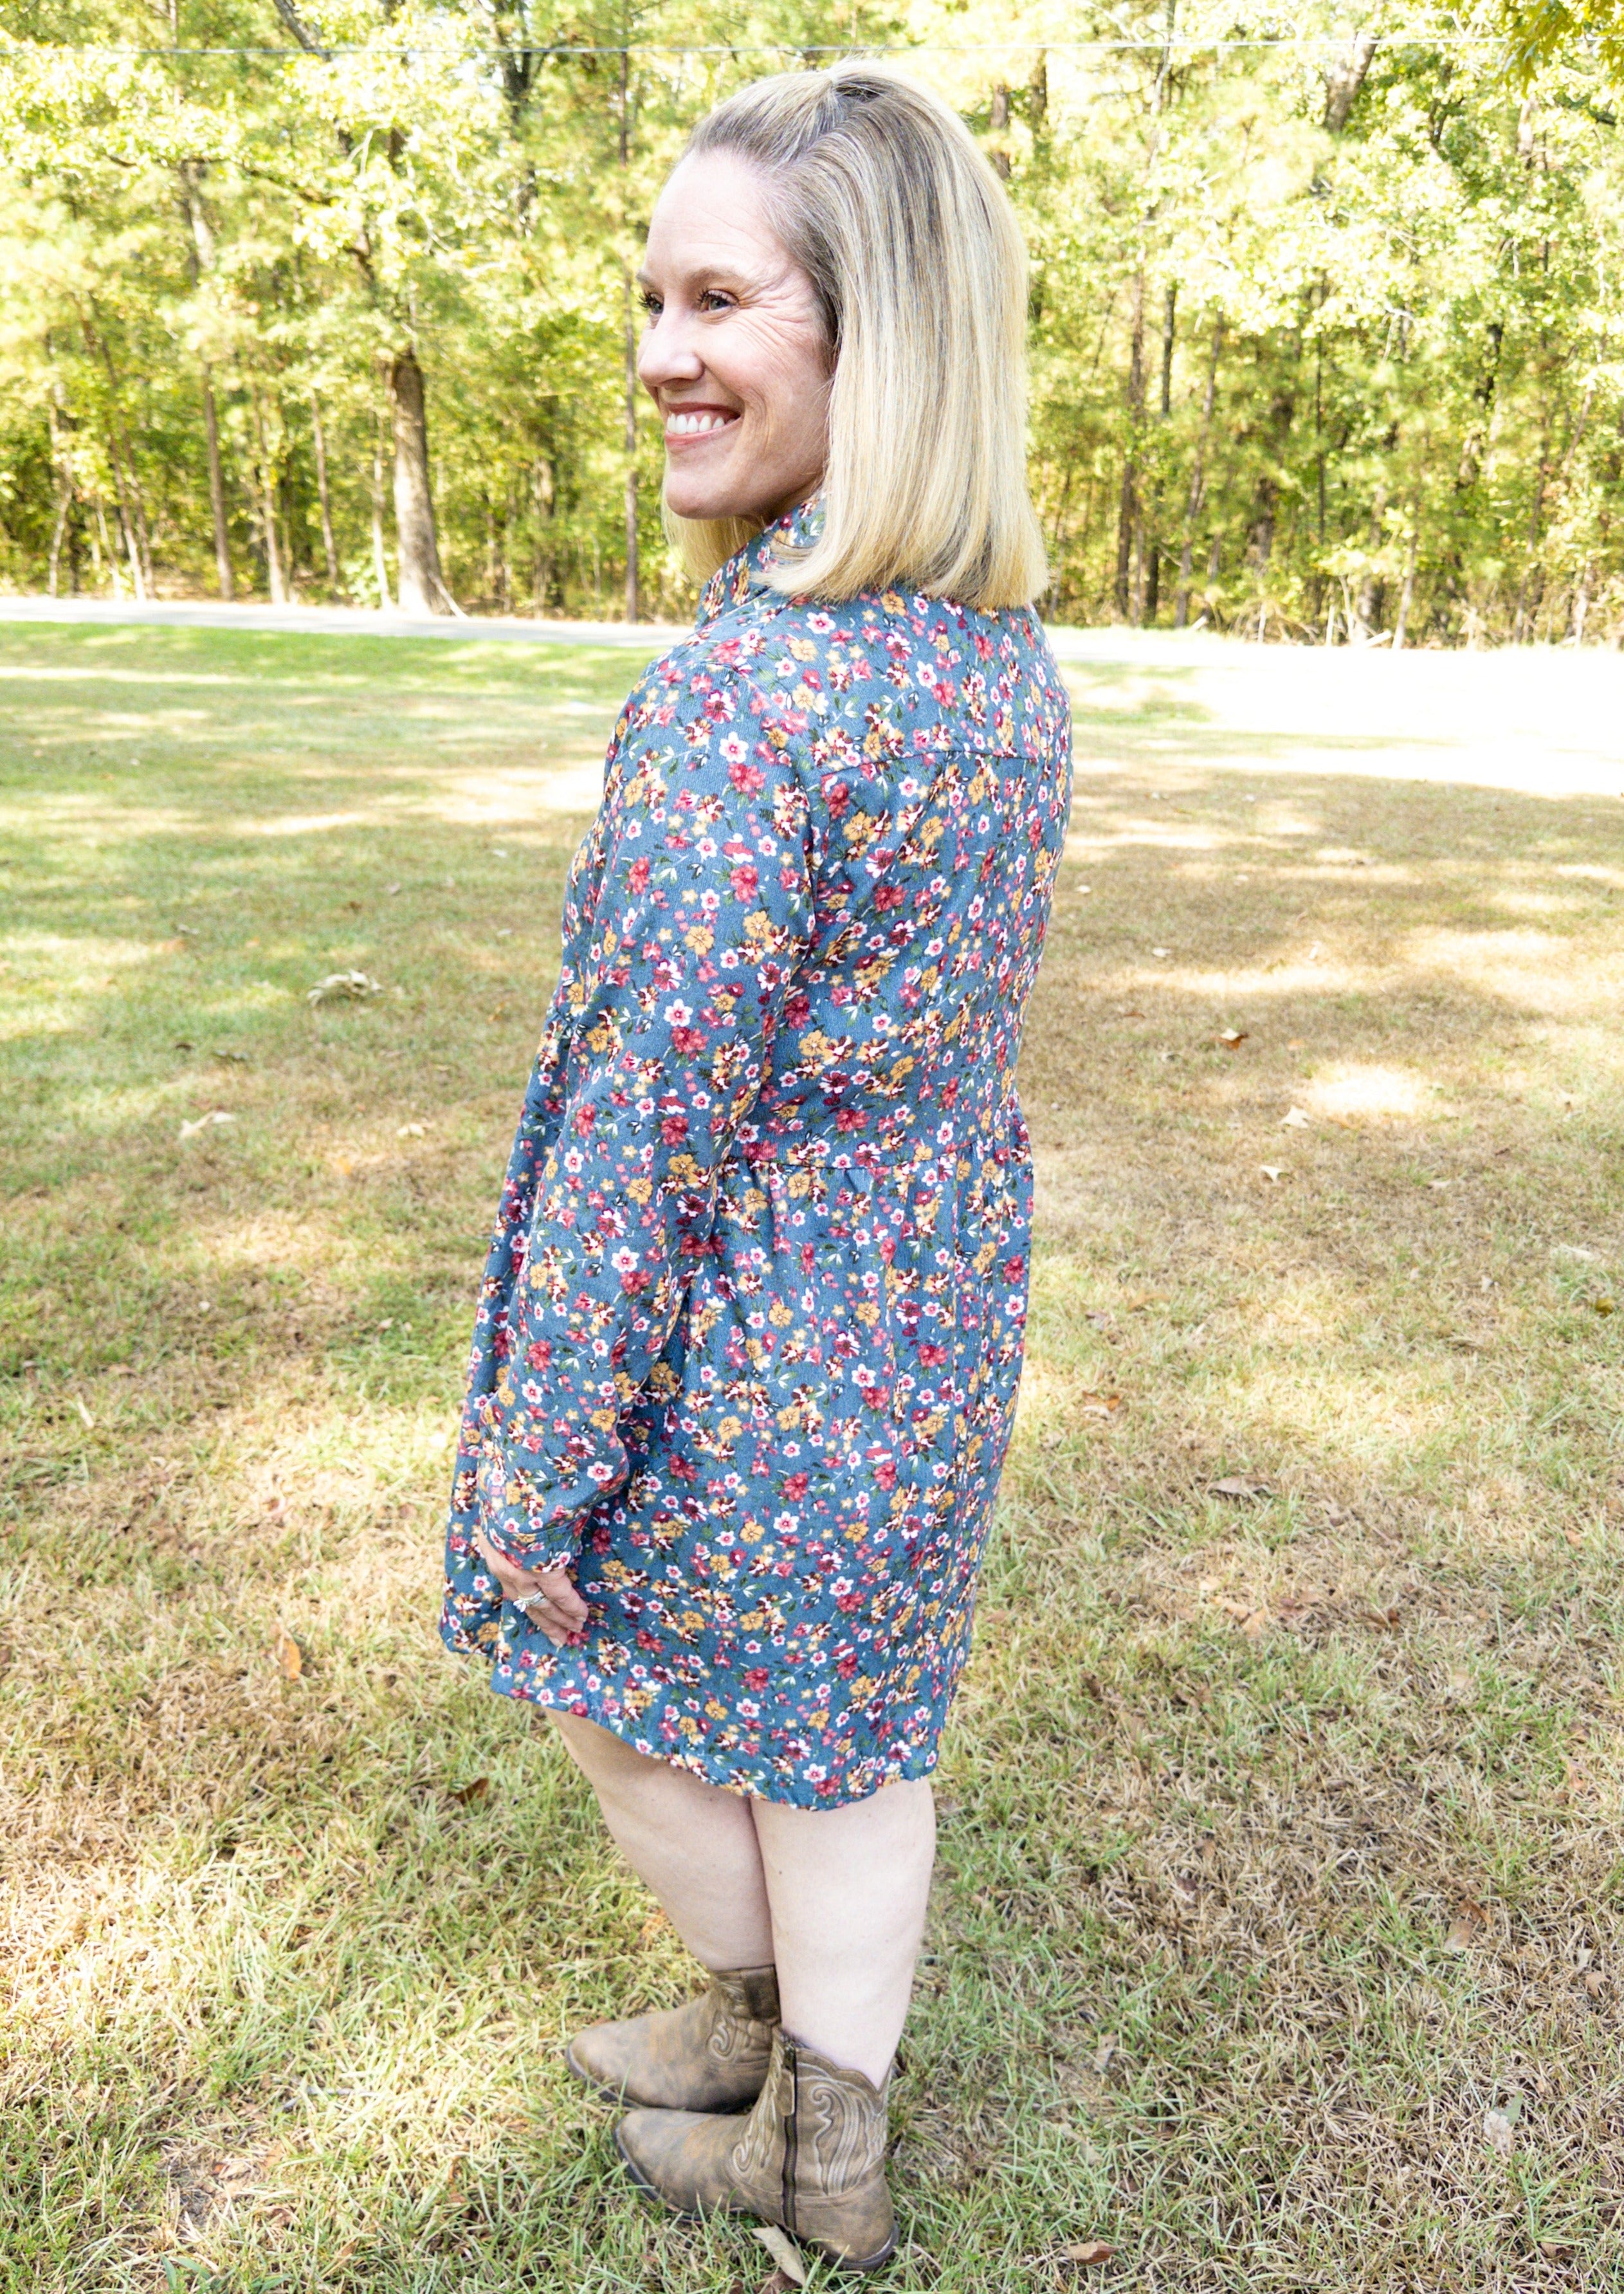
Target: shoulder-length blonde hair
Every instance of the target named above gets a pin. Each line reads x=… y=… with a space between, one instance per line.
x=877 y=191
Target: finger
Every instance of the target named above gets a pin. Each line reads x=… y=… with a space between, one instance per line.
x=498 y=1564
x=559 y=1587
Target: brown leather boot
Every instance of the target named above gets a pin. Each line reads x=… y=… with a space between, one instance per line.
x=711 y=2054
x=810 y=2157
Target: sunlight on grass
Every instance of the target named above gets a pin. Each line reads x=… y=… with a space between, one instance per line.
x=1298 y=1634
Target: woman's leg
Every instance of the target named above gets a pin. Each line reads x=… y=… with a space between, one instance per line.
x=693 y=1844
x=847 y=1888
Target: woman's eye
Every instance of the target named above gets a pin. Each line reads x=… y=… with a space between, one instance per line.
x=714 y=299
x=650 y=303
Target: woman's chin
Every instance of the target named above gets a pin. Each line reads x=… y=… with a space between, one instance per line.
x=704 y=504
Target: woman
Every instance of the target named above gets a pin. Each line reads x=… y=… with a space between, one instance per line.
x=746 y=1350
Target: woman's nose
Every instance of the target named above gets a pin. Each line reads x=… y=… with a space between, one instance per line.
x=667 y=353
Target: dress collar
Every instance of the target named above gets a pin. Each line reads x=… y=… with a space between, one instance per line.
x=749 y=568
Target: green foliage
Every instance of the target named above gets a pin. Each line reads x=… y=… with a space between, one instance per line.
x=1324 y=324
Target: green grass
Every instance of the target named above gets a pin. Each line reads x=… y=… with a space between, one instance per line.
x=288 y=1961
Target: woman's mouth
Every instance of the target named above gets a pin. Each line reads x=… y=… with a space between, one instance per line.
x=686 y=425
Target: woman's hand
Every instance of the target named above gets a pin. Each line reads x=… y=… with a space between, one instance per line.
x=547 y=1597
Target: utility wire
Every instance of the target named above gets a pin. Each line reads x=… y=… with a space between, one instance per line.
x=1180 y=41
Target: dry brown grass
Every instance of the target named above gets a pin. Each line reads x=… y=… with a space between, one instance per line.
x=1277 y=1941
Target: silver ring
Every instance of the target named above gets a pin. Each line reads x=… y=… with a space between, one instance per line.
x=523 y=1600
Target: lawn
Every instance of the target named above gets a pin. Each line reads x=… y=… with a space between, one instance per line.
x=1277 y=1939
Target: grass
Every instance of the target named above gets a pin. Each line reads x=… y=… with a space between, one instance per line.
x=1277 y=1938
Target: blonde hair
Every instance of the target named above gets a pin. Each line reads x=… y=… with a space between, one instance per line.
x=877 y=191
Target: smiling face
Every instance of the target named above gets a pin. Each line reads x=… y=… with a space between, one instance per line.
x=735 y=354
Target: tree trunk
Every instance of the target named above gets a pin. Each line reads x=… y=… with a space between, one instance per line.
x=65 y=503
x=624 y=141
x=320 y=437
x=632 y=564
x=1407 y=596
x=216 y=490
x=381 y=557
x=106 y=552
x=62 y=465
x=267 y=512
x=422 y=585
x=1198 y=480
x=1347 y=79
x=1128 y=500
x=126 y=519
x=1152 y=570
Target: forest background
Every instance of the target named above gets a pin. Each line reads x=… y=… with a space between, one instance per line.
x=333 y=300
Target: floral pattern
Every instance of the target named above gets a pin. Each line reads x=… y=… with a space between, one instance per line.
x=747 y=1348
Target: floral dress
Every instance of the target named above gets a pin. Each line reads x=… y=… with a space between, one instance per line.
x=747 y=1348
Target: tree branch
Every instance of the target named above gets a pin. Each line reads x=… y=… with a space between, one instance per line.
x=1345 y=82
x=295 y=24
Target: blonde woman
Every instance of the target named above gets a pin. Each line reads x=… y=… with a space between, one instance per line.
x=746 y=1350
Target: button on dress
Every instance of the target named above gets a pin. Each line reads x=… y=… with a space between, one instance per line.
x=747 y=1344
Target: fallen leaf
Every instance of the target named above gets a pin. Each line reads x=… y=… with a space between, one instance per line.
x=468 y=1793
x=776 y=2282
x=337 y=986
x=1273 y=1172
x=1295 y=1118
x=191 y=1130
x=1101 y=1405
x=1468 y=1924
x=1161 y=951
x=1088 y=2254
x=1131 y=1015
x=181 y=1045
x=84 y=1413
x=1601 y=1305
x=1231 y=1038
x=784 y=2251
x=1596 y=1982
x=233 y=1058
x=1497 y=2126
x=1235 y=1487
x=289 y=1655
x=1438 y=1186
x=1556 y=2249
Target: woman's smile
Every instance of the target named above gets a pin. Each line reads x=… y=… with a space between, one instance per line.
x=687 y=426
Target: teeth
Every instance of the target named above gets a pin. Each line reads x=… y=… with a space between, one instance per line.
x=695 y=426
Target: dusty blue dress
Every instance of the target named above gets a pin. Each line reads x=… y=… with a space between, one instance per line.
x=746 y=1349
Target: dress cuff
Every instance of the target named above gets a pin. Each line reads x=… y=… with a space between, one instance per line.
x=528 y=1518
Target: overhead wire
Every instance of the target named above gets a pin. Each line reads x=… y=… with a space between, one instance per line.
x=1331 y=42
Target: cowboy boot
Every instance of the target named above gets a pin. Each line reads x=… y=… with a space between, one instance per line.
x=811 y=2157
x=710 y=2055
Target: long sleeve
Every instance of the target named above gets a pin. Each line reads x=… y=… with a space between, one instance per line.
x=670 y=999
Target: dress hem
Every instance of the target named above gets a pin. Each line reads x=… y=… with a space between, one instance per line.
x=911 y=1768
